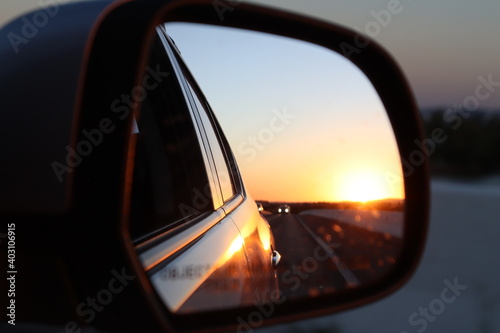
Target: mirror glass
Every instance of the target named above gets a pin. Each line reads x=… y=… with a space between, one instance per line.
x=317 y=153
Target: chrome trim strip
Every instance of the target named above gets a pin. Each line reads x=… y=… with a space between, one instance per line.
x=233 y=203
x=155 y=255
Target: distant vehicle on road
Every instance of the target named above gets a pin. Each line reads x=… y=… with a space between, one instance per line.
x=260 y=207
x=284 y=209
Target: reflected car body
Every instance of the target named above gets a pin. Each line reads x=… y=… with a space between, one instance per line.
x=229 y=245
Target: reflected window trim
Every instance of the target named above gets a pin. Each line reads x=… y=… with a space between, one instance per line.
x=215 y=148
x=224 y=143
x=209 y=164
x=191 y=87
x=160 y=250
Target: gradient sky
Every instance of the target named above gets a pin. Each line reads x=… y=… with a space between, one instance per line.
x=442 y=47
x=335 y=142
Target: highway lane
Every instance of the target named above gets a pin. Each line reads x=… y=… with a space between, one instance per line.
x=350 y=278
x=323 y=255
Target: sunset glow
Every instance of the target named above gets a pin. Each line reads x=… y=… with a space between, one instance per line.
x=363 y=185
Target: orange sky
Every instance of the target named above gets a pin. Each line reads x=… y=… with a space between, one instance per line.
x=359 y=165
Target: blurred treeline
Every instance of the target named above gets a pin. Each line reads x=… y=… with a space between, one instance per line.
x=472 y=145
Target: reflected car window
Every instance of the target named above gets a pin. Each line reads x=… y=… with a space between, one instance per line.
x=169 y=171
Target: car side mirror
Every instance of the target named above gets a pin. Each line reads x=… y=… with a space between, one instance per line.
x=128 y=109
x=361 y=201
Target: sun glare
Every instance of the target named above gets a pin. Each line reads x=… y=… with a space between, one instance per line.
x=362 y=186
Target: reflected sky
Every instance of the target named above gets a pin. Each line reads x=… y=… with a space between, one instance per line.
x=304 y=123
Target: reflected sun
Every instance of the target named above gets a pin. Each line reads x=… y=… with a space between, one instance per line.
x=362 y=186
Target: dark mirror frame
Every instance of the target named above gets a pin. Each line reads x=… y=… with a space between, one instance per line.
x=119 y=50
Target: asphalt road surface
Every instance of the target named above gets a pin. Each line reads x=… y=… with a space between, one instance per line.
x=323 y=255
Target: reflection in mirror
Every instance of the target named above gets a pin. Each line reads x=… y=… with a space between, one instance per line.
x=316 y=151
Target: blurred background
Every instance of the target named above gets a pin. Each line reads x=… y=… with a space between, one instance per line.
x=449 y=51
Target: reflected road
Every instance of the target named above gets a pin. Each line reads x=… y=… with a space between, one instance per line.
x=324 y=255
